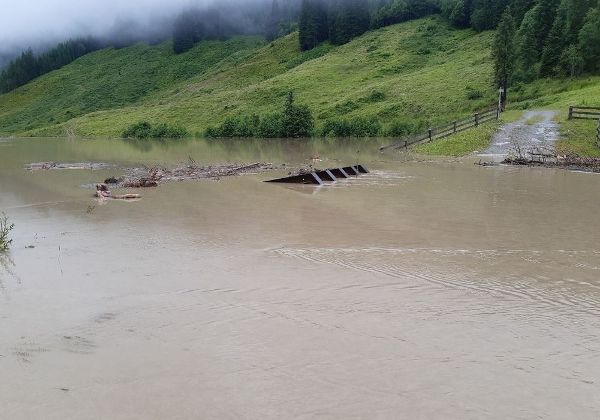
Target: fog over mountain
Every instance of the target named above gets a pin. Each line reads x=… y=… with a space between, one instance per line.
x=42 y=23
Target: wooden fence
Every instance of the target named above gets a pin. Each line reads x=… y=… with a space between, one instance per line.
x=598 y=134
x=455 y=127
x=584 y=112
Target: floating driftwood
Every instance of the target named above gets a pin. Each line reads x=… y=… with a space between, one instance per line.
x=103 y=193
x=45 y=166
x=569 y=161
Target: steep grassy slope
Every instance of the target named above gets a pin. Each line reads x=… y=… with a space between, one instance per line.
x=420 y=70
x=109 y=79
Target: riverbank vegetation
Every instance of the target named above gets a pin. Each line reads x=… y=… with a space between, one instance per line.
x=5 y=228
x=292 y=122
x=146 y=130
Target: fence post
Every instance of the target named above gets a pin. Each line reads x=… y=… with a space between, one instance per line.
x=498 y=113
x=430 y=132
x=570 y=112
x=406 y=144
x=455 y=126
x=598 y=134
x=477 y=119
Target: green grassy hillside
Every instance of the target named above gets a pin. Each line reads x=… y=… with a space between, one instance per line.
x=420 y=70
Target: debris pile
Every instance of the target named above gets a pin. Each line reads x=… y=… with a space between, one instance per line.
x=569 y=161
x=152 y=177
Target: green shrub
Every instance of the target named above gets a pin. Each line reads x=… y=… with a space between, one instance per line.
x=346 y=107
x=355 y=127
x=473 y=94
x=271 y=126
x=401 y=128
x=140 y=130
x=365 y=127
x=5 y=228
x=374 y=96
x=294 y=121
x=297 y=120
x=336 y=128
x=145 y=130
x=163 y=131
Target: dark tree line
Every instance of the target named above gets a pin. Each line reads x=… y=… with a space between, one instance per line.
x=339 y=21
x=271 y=18
x=28 y=66
x=398 y=11
x=547 y=38
x=194 y=26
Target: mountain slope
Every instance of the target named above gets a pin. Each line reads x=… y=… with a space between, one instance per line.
x=422 y=70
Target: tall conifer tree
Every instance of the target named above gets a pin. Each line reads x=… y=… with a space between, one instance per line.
x=503 y=52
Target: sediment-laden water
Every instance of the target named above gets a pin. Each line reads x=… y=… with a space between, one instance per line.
x=436 y=289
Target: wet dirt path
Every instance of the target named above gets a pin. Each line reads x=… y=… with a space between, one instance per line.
x=535 y=129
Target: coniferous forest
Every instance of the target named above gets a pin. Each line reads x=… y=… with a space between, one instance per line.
x=546 y=37
x=28 y=66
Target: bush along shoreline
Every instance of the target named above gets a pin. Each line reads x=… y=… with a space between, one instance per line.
x=145 y=130
x=294 y=121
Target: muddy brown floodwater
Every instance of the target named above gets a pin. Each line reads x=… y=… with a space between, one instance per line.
x=424 y=290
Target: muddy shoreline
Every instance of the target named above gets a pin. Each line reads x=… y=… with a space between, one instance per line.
x=579 y=164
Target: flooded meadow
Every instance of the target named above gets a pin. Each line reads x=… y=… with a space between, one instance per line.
x=428 y=288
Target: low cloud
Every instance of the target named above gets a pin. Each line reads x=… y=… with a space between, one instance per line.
x=39 y=23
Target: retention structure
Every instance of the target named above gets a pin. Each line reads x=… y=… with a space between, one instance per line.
x=320 y=177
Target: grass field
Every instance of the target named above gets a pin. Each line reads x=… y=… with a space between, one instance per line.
x=419 y=71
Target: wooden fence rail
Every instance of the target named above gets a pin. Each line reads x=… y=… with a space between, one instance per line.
x=583 y=112
x=444 y=131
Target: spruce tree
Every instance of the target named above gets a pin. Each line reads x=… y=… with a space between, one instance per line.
x=188 y=31
x=589 y=41
x=546 y=14
x=503 y=52
x=526 y=52
x=461 y=13
x=577 y=11
x=532 y=36
x=571 y=60
x=555 y=43
x=272 y=31
x=351 y=18
x=313 y=24
x=519 y=8
x=484 y=16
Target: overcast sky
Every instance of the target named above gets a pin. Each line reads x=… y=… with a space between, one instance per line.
x=27 y=22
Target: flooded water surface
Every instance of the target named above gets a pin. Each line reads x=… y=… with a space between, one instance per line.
x=426 y=289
